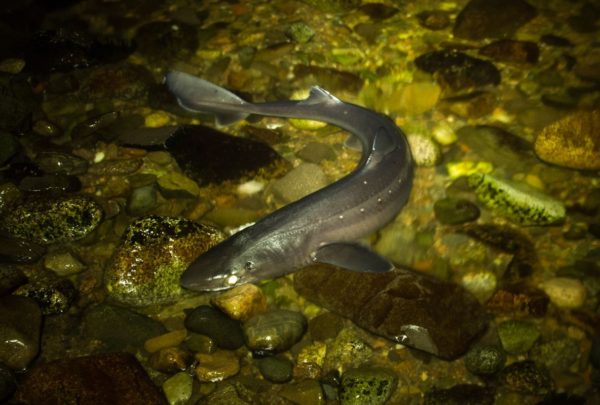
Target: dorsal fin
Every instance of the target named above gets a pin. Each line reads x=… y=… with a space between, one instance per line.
x=319 y=95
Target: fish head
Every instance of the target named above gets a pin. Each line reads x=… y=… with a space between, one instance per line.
x=232 y=262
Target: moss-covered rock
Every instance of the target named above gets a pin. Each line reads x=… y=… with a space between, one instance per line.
x=154 y=251
x=367 y=386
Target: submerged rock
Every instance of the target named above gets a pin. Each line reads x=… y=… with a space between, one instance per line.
x=461 y=394
x=225 y=332
x=299 y=182
x=367 y=386
x=14 y=250
x=417 y=311
x=572 y=142
x=20 y=328
x=492 y=18
x=216 y=366
x=274 y=331
x=511 y=51
x=517 y=201
x=53 y=219
x=53 y=295
x=517 y=336
x=100 y=379
x=154 y=251
x=527 y=377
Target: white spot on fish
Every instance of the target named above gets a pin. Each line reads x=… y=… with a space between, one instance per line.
x=365 y=182
x=379 y=200
x=390 y=191
x=232 y=280
x=341 y=217
x=362 y=210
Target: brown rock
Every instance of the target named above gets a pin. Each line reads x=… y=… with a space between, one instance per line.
x=511 y=51
x=415 y=310
x=102 y=379
x=573 y=141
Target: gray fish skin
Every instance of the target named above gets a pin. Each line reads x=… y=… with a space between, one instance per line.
x=322 y=226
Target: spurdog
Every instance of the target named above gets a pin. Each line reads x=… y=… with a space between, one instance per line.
x=322 y=226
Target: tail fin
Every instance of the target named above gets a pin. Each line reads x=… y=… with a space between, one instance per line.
x=197 y=95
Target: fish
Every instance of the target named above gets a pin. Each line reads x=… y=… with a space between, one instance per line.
x=322 y=227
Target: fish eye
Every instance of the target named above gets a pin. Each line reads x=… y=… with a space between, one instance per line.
x=249 y=266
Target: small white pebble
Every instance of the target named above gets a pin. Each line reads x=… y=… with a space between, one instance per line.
x=99 y=157
x=565 y=292
x=250 y=187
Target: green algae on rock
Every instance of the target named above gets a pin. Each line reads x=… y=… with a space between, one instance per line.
x=146 y=266
x=367 y=386
x=516 y=201
x=53 y=220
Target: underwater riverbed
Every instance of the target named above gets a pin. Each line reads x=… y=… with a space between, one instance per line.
x=109 y=190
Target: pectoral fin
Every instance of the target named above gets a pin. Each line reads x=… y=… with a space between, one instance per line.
x=352 y=256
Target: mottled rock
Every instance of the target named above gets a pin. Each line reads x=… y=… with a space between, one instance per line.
x=454 y=211
x=347 y=350
x=565 y=292
x=216 y=366
x=485 y=360
x=511 y=51
x=420 y=312
x=241 y=302
x=333 y=6
x=154 y=251
x=527 y=377
x=519 y=301
x=274 y=331
x=517 y=201
x=53 y=295
x=20 y=328
x=119 y=328
x=178 y=388
x=573 y=141
x=367 y=386
x=517 y=336
x=461 y=394
x=209 y=156
x=53 y=219
x=300 y=32
x=492 y=18
x=301 y=181
x=457 y=71
x=425 y=152
x=118 y=379
x=225 y=332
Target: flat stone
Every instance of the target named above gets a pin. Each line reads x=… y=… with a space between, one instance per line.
x=421 y=312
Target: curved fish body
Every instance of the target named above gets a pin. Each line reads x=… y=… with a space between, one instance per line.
x=322 y=226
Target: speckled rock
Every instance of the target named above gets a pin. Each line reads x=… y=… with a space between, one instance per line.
x=367 y=386
x=492 y=18
x=53 y=220
x=119 y=328
x=527 y=377
x=517 y=336
x=216 y=366
x=348 y=350
x=274 y=331
x=421 y=312
x=573 y=141
x=118 y=379
x=225 y=332
x=178 y=388
x=53 y=295
x=517 y=201
x=425 y=152
x=565 y=292
x=301 y=181
x=154 y=251
x=20 y=328
x=485 y=360
x=242 y=302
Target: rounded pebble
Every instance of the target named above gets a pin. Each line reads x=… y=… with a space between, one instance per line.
x=178 y=388
x=485 y=360
x=63 y=263
x=567 y=293
x=517 y=336
x=274 y=331
x=226 y=332
x=242 y=302
x=276 y=369
x=425 y=151
x=217 y=366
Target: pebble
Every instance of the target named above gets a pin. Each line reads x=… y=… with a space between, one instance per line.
x=306 y=392
x=367 y=386
x=511 y=51
x=142 y=200
x=170 y=339
x=274 y=331
x=61 y=163
x=20 y=328
x=53 y=219
x=216 y=366
x=200 y=343
x=119 y=328
x=8 y=147
x=348 y=350
x=566 y=293
x=9 y=194
x=518 y=336
x=467 y=394
x=426 y=153
x=315 y=152
x=8 y=383
x=454 y=211
x=276 y=369
x=16 y=250
x=300 y=32
x=516 y=201
x=413 y=99
x=444 y=134
x=557 y=354
x=242 y=302
x=573 y=141
x=177 y=185
x=146 y=265
x=63 y=263
x=53 y=295
x=299 y=182
x=325 y=326
x=481 y=284
x=225 y=332
x=178 y=388
x=170 y=360
x=485 y=360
